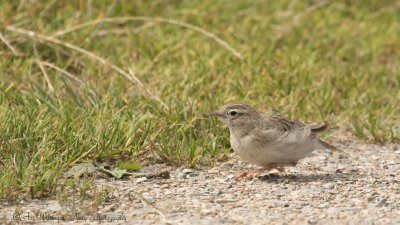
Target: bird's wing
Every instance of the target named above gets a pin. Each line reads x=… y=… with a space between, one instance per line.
x=281 y=123
x=284 y=124
x=275 y=127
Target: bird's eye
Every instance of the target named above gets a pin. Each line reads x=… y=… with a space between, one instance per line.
x=232 y=113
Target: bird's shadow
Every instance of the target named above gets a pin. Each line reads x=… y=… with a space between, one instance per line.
x=306 y=178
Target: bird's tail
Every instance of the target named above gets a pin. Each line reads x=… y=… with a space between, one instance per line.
x=318 y=127
x=328 y=146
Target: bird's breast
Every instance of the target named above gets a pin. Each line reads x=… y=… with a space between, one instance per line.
x=255 y=148
x=243 y=146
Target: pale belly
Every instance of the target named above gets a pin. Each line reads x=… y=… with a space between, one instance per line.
x=274 y=152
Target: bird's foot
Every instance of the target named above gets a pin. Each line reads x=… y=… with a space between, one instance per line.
x=278 y=166
x=250 y=172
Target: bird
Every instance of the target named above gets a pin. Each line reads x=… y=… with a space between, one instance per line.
x=269 y=140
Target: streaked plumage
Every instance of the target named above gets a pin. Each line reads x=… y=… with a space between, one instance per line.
x=269 y=140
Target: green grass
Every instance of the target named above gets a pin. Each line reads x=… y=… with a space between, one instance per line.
x=335 y=61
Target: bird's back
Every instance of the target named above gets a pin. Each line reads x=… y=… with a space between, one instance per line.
x=280 y=139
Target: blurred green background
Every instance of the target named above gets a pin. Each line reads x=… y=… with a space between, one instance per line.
x=67 y=96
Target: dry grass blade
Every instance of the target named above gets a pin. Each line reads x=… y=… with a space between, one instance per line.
x=121 y=31
x=160 y=55
x=3 y=39
x=108 y=13
x=131 y=77
x=68 y=74
x=117 y=31
x=47 y=8
x=40 y=64
x=2 y=53
x=153 y=19
x=311 y=8
x=147 y=90
x=287 y=28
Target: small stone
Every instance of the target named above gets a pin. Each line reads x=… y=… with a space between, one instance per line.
x=181 y=175
x=323 y=206
x=311 y=221
x=385 y=167
x=329 y=186
x=316 y=189
x=224 y=201
x=192 y=175
x=273 y=217
x=141 y=179
x=187 y=171
x=206 y=211
x=213 y=171
x=382 y=203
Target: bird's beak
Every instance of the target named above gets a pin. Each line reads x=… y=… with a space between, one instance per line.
x=215 y=113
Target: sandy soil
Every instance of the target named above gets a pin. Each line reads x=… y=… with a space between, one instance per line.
x=357 y=186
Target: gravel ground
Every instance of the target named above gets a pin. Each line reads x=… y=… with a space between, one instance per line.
x=357 y=186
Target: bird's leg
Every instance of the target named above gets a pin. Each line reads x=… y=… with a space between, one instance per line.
x=281 y=170
x=277 y=166
x=280 y=166
x=251 y=172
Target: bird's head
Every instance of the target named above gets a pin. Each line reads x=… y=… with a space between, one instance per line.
x=236 y=115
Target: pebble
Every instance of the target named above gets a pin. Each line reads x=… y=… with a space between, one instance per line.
x=328 y=186
x=187 y=171
x=317 y=189
x=311 y=221
x=141 y=179
x=273 y=217
x=381 y=203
